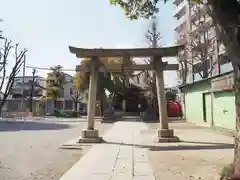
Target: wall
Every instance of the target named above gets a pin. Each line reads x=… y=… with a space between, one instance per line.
x=194 y=101
x=68 y=87
x=223 y=106
x=224 y=110
x=18 y=85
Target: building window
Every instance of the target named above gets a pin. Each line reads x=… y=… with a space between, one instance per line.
x=225 y=64
x=189 y=78
x=197 y=76
x=227 y=67
x=201 y=70
x=211 y=33
x=71 y=91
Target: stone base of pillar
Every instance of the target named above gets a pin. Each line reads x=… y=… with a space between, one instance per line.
x=166 y=135
x=90 y=136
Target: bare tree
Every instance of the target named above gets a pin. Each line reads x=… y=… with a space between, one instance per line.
x=153 y=37
x=8 y=77
x=1 y=36
x=201 y=46
x=76 y=98
x=184 y=69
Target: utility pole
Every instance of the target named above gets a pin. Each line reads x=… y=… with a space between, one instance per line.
x=22 y=87
x=32 y=91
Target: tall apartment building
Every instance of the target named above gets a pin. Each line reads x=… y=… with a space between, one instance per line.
x=203 y=55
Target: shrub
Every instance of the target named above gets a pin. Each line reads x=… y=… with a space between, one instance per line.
x=226 y=172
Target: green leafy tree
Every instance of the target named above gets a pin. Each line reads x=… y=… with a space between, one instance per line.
x=105 y=82
x=225 y=16
x=135 y=9
x=54 y=83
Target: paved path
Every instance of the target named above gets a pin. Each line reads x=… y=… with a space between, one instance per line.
x=118 y=159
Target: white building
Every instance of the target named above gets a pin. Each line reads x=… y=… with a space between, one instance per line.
x=68 y=87
x=24 y=85
x=203 y=54
x=65 y=100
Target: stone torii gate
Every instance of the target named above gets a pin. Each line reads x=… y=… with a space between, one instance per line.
x=99 y=61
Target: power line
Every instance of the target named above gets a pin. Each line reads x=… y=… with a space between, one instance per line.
x=47 y=69
x=41 y=68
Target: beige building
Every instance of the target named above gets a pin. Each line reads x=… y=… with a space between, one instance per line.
x=203 y=55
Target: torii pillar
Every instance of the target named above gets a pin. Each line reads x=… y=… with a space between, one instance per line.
x=164 y=134
x=91 y=135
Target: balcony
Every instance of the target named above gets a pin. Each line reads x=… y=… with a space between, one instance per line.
x=181 y=29
x=176 y=2
x=180 y=23
x=180 y=40
x=197 y=12
x=222 y=49
x=180 y=10
x=201 y=26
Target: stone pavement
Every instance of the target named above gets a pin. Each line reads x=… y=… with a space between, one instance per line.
x=118 y=159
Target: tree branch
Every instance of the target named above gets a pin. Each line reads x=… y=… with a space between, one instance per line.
x=15 y=68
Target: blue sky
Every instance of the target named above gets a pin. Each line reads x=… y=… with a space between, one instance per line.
x=46 y=28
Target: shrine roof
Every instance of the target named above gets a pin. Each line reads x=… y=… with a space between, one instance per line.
x=138 y=83
x=137 y=52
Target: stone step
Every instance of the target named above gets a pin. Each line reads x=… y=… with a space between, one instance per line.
x=131 y=113
x=131 y=118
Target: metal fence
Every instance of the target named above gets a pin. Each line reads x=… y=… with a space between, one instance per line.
x=20 y=108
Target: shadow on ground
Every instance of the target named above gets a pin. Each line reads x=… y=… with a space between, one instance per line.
x=64 y=121
x=31 y=126
x=68 y=120
x=184 y=145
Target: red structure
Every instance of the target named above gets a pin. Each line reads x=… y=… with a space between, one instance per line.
x=174 y=109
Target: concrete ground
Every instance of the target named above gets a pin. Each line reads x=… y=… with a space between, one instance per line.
x=201 y=155
x=30 y=150
x=117 y=159
x=130 y=153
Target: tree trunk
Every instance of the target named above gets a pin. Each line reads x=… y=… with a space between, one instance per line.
x=55 y=103
x=75 y=106
x=225 y=15
x=101 y=107
x=1 y=107
x=154 y=88
x=237 y=138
